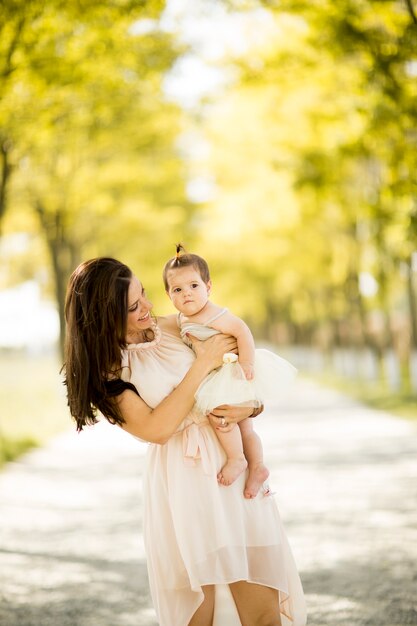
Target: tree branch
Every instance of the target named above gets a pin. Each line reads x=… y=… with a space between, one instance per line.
x=411 y=10
x=8 y=68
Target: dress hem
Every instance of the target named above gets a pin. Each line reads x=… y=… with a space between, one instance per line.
x=250 y=582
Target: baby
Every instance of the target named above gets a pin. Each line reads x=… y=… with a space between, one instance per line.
x=187 y=283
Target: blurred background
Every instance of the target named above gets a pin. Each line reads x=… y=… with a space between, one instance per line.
x=276 y=138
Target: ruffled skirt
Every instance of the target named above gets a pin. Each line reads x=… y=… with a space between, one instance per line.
x=228 y=384
x=200 y=533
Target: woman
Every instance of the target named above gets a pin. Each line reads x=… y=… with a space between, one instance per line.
x=205 y=543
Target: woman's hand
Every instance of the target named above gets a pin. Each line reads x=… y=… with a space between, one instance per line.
x=226 y=416
x=212 y=350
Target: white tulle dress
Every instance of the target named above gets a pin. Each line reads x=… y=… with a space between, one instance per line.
x=196 y=531
x=273 y=375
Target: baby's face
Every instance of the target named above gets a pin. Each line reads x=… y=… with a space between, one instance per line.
x=187 y=290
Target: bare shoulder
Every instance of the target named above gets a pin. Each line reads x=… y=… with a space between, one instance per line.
x=228 y=323
x=168 y=323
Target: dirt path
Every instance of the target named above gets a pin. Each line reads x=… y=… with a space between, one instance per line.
x=71 y=550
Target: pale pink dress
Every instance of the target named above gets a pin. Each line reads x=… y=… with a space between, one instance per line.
x=197 y=532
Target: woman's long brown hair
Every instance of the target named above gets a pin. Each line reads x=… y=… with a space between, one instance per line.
x=96 y=309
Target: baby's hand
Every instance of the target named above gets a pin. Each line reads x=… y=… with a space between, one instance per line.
x=248 y=369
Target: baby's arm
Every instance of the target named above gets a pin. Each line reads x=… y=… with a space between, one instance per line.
x=231 y=325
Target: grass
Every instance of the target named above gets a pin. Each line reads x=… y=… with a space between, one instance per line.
x=376 y=394
x=32 y=403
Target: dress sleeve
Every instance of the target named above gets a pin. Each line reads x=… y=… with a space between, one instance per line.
x=117 y=386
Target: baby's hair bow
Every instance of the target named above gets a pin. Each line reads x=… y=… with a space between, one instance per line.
x=179 y=250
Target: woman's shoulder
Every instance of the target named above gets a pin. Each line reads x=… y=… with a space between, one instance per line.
x=168 y=324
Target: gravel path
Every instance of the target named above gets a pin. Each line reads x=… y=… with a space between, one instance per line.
x=71 y=550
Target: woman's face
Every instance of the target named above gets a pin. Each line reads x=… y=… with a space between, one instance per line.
x=139 y=308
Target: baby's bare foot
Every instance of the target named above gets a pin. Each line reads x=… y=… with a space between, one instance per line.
x=232 y=469
x=257 y=476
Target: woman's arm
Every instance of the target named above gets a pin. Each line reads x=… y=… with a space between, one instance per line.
x=158 y=424
x=226 y=416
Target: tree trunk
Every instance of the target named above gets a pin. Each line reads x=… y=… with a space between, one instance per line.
x=60 y=279
x=6 y=170
x=64 y=257
x=411 y=292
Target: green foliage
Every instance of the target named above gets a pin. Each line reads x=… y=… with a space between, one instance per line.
x=314 y=152
x=312 y=149
x=91 y=140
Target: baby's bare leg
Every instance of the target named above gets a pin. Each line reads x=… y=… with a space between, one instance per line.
x=231 y=443
x=252 y=445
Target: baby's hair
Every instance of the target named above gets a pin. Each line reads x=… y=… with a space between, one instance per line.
x=184 y=259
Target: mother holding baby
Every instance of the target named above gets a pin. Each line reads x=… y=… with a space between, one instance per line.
x=214 y=557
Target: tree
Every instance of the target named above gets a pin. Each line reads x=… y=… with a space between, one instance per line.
x=93 y=138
